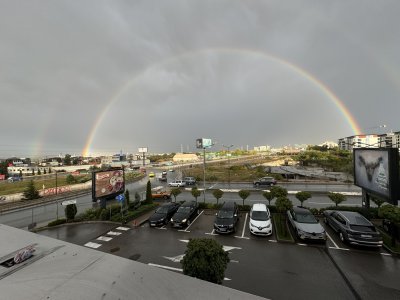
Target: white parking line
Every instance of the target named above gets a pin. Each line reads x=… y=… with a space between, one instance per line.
x=160 y=228
x=211 y=233
x=92 y=245
x=114 y=233
x=244 y=226
x=173 y=269
x=104 y=238
x=338 y=248
x=386 y=254
x=242 y=237
x=273 y=241
x=300 y=244
x=123 y=228
x=193 y=221
x=182 y=230
x=331 y=240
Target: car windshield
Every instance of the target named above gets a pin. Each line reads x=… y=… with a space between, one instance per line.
x=162 y=210
x=259 y=216
x=362 y=228
x=184 y=209
x=225 y=214
x=306 y=218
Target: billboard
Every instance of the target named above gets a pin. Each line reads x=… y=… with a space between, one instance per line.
x=107 y=184
x=203 y=143
x=377 y=171
x=142 y=150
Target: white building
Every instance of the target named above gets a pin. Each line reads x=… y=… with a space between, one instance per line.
x=262 y=148
x=359 y=141
x=185 y=157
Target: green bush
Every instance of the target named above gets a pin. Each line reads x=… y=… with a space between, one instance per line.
x=272 y=209
x=314 y=211
x=130 y=215
x=104 y=214
x=244 y=207
x=56 y=222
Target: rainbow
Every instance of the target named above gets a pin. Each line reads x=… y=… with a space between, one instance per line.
x=303 y=73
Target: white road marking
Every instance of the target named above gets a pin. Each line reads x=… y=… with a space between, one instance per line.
x=331 y=240
x=242 y=237
x=338 y=248
x=226 y=248
x=386 y=254
x=211 y=233
x=300 y=244
x=174 y=269
x=194 y=221
x=234 y=261
x=92 y=245
x=175 y=258
x=123 y=228
x=181 y=230
x=104 y=238
x=273 y=241
x=244 y=226
x=114 y=233
x=160 y=228
x=185 y=241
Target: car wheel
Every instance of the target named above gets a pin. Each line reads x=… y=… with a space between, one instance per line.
x=257 y=184
x=165 y=197
x=341 y=236
x=188 y=223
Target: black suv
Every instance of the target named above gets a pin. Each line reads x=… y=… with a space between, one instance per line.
x=226 y=218
x=267 y=181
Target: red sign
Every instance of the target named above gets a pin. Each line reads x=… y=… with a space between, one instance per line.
x=2 y=177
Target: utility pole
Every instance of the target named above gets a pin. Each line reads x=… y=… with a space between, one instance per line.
x=204 y=175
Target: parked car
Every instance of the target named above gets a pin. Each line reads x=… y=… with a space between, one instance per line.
x=161 y=194
x=306 y=226
x=177 y=183
x=265 y=181
x=163 y=214
x=189 y=180
x=353 y=228
x=227 y=218
x=14 y=178
x=185 y=214
x=260 y=220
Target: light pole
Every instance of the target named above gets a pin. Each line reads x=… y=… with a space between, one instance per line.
x=204 y=175
x=229 y=164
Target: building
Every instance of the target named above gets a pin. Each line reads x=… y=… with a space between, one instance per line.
x=185 y=157
x=389 y=140
x=329 y=145
x=359 y=141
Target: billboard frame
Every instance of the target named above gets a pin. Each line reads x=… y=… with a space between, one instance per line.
x=111 y=195
x=393 y=174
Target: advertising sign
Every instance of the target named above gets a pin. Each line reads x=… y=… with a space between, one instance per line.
x=2 y=177
x=107 y=183
x=377 y=171
x=203 y=143
x=142 y=150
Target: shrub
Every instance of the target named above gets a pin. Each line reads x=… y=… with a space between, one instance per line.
x=57 y=222
x=70 y=211
x=244 y=207
x=104 y=214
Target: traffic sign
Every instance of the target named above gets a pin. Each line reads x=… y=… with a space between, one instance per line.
x=120 y=198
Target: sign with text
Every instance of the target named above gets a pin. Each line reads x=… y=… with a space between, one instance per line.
x=203 y=143
x=108 y=184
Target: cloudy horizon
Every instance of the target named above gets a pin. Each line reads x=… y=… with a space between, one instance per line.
x=105 y=76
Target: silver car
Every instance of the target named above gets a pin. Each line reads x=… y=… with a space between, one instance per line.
x=307 y=227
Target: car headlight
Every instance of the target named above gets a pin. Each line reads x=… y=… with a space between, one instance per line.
x=300 y=232
x=268 y=225
x=252 y=225
x=172 y=220
x=230 y=226
x=184 y=221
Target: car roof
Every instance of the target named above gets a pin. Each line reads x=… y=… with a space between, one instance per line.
x=259 y=207
x=355 y=218
x=301 y=210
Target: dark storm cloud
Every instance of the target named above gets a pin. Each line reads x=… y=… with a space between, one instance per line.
x=63 y=61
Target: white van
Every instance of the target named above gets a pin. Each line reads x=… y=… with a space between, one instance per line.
x=260 y=220
x=177 y=183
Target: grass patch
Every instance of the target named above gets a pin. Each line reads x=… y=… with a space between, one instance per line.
x=281 y=229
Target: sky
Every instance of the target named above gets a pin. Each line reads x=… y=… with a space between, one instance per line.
x=98 y=77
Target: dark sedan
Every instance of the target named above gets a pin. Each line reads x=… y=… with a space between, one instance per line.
x=163 y=213
x=353 y=228
x=185 y=214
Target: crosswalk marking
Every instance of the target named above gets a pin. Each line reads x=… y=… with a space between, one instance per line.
x=92 y=245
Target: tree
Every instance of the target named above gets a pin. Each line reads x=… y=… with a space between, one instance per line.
x=127 y=197
x=3 y=168
x=149 y=196
x=337 y=198
x=33 y=172
x=175 y=192
x=283 y=204
x=196 y=193
x=20 y=173
x=137 y=197
x=278 y=191
x=70 y=211
x=70 y=179
x=218 y=194
x=391 y=213
x=67 y=160
x=50 y=171
x=205 y=259
x=244 y=194
x=303 y=196
x=377 y=201
x=39 y=172
x=268 y=196
x=44 y=171
x=31 y=192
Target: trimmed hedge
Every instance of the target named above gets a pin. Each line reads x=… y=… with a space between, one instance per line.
x=56 y=222
x=130 y=215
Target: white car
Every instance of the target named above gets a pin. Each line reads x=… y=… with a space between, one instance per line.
x=177 y=183
x=260 y=220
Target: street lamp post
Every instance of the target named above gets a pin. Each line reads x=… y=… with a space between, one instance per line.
x=229 y=164
x=204 y=175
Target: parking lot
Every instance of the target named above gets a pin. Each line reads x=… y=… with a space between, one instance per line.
x=259 y=265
